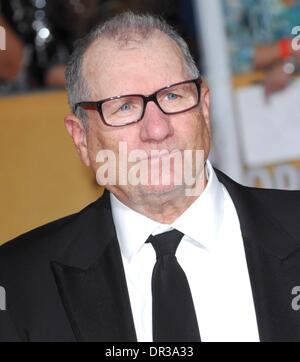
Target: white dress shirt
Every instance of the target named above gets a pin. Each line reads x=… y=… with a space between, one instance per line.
x=212 y=256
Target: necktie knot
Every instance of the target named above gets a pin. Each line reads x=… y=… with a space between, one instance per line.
x=165 y=243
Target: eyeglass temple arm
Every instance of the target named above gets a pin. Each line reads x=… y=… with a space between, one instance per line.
x=86 y=105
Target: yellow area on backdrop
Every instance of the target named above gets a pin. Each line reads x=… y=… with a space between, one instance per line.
x=42 y=177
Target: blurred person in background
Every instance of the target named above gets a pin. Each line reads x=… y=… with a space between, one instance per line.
x=10 y=58
x=260 y=38
x=43 y=33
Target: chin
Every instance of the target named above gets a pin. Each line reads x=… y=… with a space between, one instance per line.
x=160 y=190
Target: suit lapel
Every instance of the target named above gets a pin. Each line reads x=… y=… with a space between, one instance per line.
x=91 y=280
x=273 y=258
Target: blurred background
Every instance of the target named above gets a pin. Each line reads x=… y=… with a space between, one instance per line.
x=248 y=50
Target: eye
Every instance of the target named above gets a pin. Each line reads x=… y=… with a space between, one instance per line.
x=125 y=107
x=171 y=96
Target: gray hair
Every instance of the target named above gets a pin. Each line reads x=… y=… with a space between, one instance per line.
x=120 y=28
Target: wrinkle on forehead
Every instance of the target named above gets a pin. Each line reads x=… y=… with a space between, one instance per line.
x=123 y=41
x=107 y=50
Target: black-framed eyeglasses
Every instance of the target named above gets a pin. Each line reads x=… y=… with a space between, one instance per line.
x=127 y=109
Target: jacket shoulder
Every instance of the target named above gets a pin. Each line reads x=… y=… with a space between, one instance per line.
x=269 y=197
x=282 y=206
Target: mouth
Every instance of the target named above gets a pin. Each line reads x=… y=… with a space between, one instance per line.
x=160 y=154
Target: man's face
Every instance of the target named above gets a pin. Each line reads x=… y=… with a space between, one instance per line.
x=141 y=67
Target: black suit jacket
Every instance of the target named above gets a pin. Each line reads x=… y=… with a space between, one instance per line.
x=65 y=281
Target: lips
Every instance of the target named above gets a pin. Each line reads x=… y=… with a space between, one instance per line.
x=160 y=154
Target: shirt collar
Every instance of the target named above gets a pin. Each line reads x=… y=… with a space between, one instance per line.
x=200 y=222
x=132 y=228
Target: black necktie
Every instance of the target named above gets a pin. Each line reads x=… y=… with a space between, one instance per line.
x=173 y=312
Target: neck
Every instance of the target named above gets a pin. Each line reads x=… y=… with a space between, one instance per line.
x=165 y=212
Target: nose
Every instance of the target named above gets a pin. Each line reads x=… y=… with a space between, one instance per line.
x=155 y=125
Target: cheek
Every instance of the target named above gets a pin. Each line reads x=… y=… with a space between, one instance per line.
x=109 y=139
x=203 y=139
x=99 y=137
x=95 y=143
x=193 y=131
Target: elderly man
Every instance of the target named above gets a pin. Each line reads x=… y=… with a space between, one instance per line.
x=176 y=258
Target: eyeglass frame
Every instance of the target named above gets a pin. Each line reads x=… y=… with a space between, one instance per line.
x=97 y=105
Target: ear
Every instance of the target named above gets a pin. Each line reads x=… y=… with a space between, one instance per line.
x=77 y=132
x=205 y=103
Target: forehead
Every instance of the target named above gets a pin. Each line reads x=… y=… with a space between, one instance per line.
x=140 y=66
